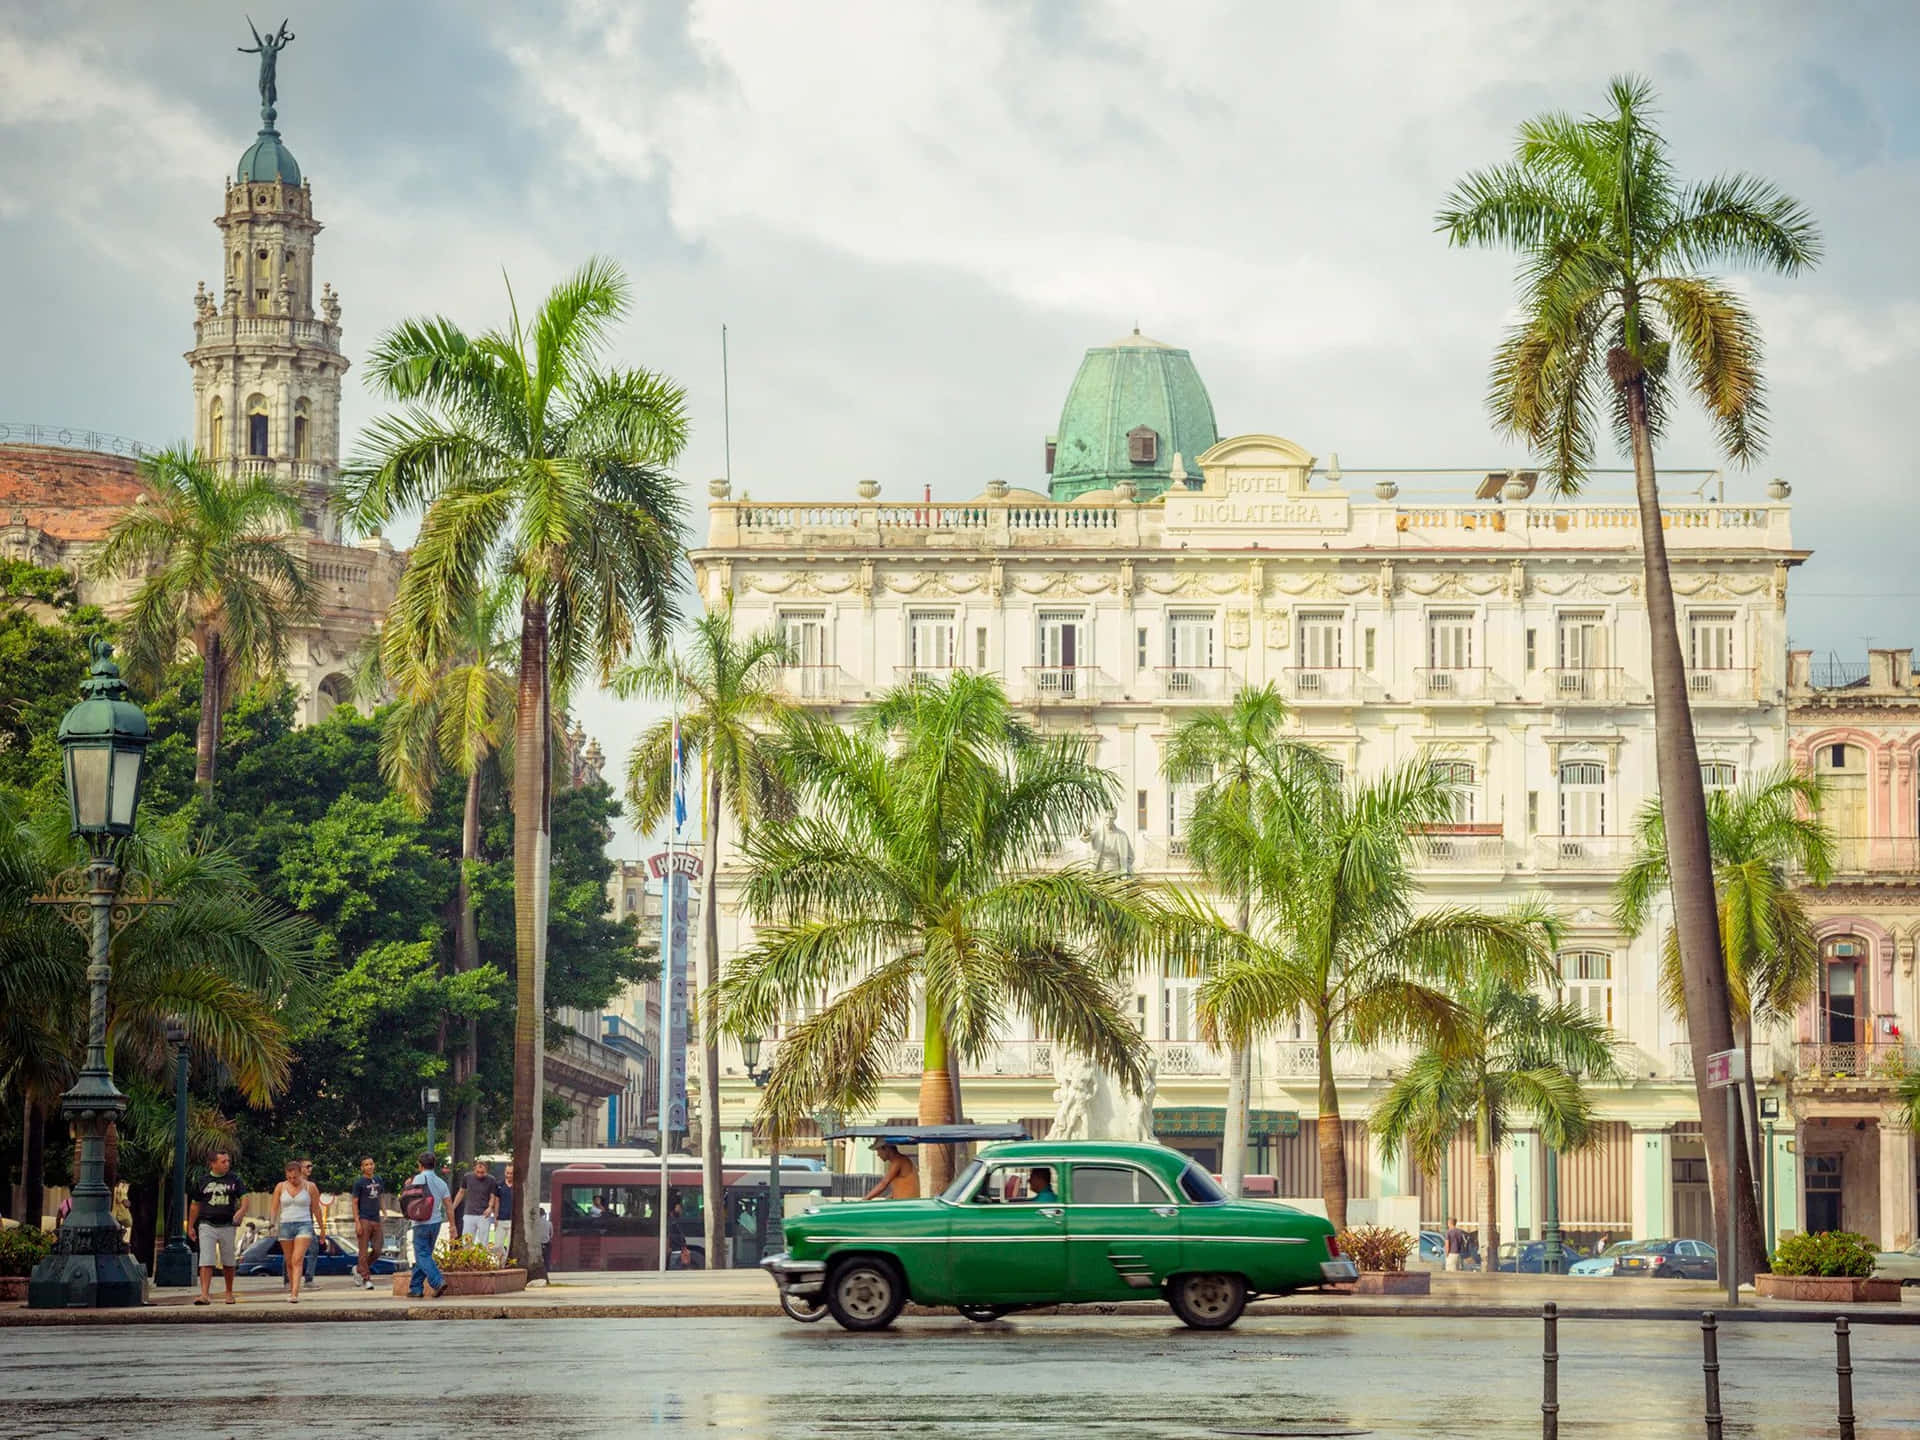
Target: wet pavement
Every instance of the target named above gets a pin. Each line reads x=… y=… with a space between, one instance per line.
x=1046 y=1377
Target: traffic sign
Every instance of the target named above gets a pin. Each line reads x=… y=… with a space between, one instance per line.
x=1726 y=1067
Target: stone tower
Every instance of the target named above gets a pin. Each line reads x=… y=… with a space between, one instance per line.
x=266 y=364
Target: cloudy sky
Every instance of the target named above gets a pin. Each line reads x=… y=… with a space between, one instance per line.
x=914 y=217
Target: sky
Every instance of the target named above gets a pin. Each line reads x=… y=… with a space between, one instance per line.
x=914 y=217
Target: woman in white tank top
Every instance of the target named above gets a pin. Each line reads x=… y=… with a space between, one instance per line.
x=295 y=1201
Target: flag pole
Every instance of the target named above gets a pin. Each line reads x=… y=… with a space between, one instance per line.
x=666 y=978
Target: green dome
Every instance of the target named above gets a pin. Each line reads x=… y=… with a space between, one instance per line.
x=268 y=160
x=1133 y=406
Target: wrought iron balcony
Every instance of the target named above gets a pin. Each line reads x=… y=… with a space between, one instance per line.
x=1193 y=682
x=1066 y=685
x=1461 y=847
x=1583 y=853
x=820 y=684
x=1187 y=1057
x=1318 y=684
x=1722 y=687
x=1453 y=682
x=1586 y=685
x=1862 y=1064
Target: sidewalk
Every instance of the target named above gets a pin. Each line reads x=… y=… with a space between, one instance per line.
x=748 y=1293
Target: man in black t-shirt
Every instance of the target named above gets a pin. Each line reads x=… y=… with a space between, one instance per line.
x=368 y=1191
x=218 y=1202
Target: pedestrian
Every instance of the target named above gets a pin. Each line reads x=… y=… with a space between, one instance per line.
x=368 y=1231
x=426 y=1272
x=901 y=1180
x=1456 y=1245
x=503 y=1212
x=678 y=1256
x=294 y=1201
x=319 y=1234
x=218 y=1201
x=546 y=1241
x=478 y=1202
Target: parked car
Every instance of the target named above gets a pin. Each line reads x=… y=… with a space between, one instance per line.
x=1669 y=1260
x=336 y=1257
x=1602 y=1264
x=1528 y=1257
x=1901 y=1265
x=1433 y=1249
x=1105 y=1221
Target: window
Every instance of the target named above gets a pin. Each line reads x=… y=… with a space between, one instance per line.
x=217 y=429
x=1710 y=640
x=1180 y=801
x=1143 y=445
x=1115 y=1185
x=1533 y=650
x=1533 y=812
x=1200 y=1187
x=1003 y=1184
x=930 y=639
x=1583 y=640
x=1458 y=776
x=1321 y=632
x=1583 y=797
x=1586 y=982
x=1718 y=774
x=620 y=1209
x=1177 y=1010
x=1189 y=648
x=301 y=414
x=805 y=632
x=980 y=647
x=1140 y=661
x=257 y=425
x=1140 y=810
x=1841 y=1001
x=1366 y=649
x=1062 y=651
x=1450 y=640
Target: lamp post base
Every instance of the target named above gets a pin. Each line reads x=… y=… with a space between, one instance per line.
x=87 y=1282
x=174 y=1267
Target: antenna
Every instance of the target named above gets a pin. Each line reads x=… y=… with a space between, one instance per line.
x=726 y=405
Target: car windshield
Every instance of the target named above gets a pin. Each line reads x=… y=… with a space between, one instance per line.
x=1199 y=1186
x=963 y=1182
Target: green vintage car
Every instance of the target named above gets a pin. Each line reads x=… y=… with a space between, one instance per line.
x=1035 y=1223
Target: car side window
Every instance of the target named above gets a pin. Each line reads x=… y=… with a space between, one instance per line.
x=1115 y=1185
x=1686 y=1247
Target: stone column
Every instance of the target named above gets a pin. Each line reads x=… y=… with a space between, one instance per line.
x=1786 y=1183
x=1896 y=1184
x=1652 y=1183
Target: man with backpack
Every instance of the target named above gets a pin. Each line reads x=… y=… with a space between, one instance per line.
x=424 y=1202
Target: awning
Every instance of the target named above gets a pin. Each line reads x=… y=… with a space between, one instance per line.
x=932 y=1134
x=1208 y=1121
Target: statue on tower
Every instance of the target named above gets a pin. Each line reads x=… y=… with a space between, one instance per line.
x=268 y=48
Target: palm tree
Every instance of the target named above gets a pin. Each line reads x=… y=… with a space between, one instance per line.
x=213 y=549
x=1494 y=1050
x=1616 y=308
x=726 y=688
x=453 y=715
x=538 y=467
x=1335 y=939
x=909 y=881
x=1758 y=836
x=1240 y=762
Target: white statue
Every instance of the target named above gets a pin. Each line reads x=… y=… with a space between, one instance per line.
x=1137 y=1110
x=1073 y=1099
x=1111 y=851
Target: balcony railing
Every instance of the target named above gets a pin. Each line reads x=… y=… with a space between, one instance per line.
x=1018 y=1058
x=1311 y=684
x=1187 y=1057
x=1724 y=687
x=1680 y=1061
x=1066 y=685
x=1864 y=1062
x=1452 y=682
x=1193 y=682
x=820 y=683
x=1300 y=1059
x=1583 y=852
x=1461 y=847
x=1863 y=857
x=1586 y=685
x=1163 y=852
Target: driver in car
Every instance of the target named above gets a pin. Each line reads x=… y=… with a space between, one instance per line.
x=1040 y=1187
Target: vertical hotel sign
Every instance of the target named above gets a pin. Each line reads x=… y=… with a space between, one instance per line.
x=685 y=868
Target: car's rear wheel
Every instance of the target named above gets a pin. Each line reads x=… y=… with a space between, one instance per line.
x=865 y=1293
x=982 y=1314
x=1207 y=1301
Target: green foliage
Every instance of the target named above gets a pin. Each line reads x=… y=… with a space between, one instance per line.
x=467 y=1253
x=22 y=1248
x=364 y=872
x=1376 y=1247
x=43 y=657
x=1835 y=1252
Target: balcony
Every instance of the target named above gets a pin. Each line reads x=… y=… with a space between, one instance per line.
x=1315 y=685
x=1586 y=685
x=1300 y=1060
x=1583 y=854
x=1461 y=848
x=1858 y=1065
x=1163 y=853
x=1471 y=683
x=1876 y=857
x=1018 y=1059
x=1187 y=1057
x=1193 y=682
x=1680 y=1061
x=1066 y=685
x=1722 y=687
x=812 y=684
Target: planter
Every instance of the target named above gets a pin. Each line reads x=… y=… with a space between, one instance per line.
x=1829 y=1289
x=1393 y=1282
x=471 y=1282
x=13 y=1289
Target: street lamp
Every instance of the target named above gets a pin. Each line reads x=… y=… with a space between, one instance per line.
x=430 y=1100
x=1553 y=1255
x=175 y=1265
x=774 y=1211
x=104 y=738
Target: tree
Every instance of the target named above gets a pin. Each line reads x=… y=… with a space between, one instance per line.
x=1494 y=1049
x=1335 y=938
x=213 y=549
x=536 y=466
x=725 y=689
x=44 y=632
x=909 y=880
x=1758 y=836
x=1616 y=307
x=1241 y=766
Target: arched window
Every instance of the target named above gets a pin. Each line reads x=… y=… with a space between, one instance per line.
x=1586 y=981
x=217 y=429
x=1719 y=774
x=1843 y=991
x=1842 y=769
x=302 y=415
x=257 y=425
x=1458 y=776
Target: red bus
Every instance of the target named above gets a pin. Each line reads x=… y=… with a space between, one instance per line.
x=607 y=1217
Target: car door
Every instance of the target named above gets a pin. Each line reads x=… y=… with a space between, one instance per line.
x=1698 y=1262
x=1123 y=1232
x=1006 y=1251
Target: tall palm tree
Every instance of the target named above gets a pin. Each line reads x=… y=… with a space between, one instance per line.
x=1758 y=836
x=726 y=688
x=1241 y=763
x=540 y=467
x=1616 y=311
x=1496 y=1048
x=213 y=548
x=1335 y=939
x=909 y=881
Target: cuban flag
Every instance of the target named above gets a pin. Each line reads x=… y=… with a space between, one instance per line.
x=679 y=781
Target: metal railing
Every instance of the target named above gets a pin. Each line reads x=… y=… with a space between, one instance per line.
x=1306 y=684
x=1582 y=852
x=1680 y=1061
x=70 y=437
x=1837 y=674
x=810 y=682
x=1452 y=682
x=1588 y=685
x=1461 y=850
x=1017 y=1058
x=1065 y=684
x=1862 y=1061
x=1193 y=682
x=1300 y=1059
x=1187 y=1057
x=1163 y=852
x=1722 y=685
x=1864 y=856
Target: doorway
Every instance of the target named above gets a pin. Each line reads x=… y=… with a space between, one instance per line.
x=1824 y=1183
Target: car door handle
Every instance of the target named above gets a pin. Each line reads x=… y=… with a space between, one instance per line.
x=1052 y=1212
x=1165 y=1212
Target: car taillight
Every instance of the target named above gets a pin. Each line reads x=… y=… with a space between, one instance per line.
x=1659 y=1259
x=1333 y=1247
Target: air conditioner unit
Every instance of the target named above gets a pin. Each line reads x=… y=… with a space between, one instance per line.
x=1439 y=682
x=1310 y=680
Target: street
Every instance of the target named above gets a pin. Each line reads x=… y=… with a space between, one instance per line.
x=938 y=1376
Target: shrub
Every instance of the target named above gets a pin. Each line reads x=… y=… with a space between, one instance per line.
x=1837 y=1252
x=1376 y=1247
x=22 y=1248
x=467 y=1253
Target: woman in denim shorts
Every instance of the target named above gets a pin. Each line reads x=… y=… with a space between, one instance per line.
x=296 y=1200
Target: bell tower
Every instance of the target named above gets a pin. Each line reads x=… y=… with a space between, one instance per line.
x=266 y=363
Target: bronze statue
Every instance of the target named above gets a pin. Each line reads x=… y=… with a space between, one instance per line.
x=268 y=49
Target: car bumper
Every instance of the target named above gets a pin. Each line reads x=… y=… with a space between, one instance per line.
x=805 y=1279
x=1338 y=1271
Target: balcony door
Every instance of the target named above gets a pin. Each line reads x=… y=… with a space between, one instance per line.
x=1583 y=805
x=1189 y=650
x=1843 y=801
x=1583 y=640
x=805 y=632
x=1062 y=651
x=930 y=639
x=1842 y=997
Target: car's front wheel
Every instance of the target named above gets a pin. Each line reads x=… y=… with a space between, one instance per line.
x=983 y=1314
x=801 y=1309
x=865 y=1293
x=1207 y=1302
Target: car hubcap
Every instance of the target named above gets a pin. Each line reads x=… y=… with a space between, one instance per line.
x=1209 y=1295
x=864 y=1294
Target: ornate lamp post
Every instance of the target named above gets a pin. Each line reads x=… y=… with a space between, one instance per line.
x=175 y=1265
x=430 y=1098
x=105 y=739
x=773 y=1212
x=1553 y=1256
